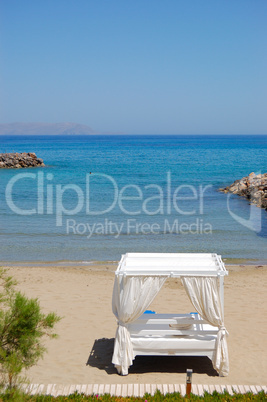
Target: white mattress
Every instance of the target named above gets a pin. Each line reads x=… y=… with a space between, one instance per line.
x=173 y=344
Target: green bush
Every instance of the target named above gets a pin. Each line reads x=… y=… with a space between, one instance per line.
x=22 y=327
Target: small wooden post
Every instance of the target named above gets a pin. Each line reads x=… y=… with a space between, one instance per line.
x=189 y=373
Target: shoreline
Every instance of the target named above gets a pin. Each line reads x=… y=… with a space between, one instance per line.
x=241 y=262
x=59 y=264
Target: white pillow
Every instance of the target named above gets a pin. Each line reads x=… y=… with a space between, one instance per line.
x=182 y=326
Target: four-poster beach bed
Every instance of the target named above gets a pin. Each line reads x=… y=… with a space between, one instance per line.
x=138 y=279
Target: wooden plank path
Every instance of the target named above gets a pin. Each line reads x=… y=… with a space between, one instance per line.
x=137 y=389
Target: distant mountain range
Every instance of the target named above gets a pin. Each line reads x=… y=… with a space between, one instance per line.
x=46 y=129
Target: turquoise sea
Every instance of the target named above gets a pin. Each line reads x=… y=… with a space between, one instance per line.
x=101 y=196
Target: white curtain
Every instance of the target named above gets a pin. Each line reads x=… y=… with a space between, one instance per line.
x=205 y=296
x=132 y=295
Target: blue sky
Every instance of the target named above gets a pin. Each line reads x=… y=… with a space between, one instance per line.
x=136 y=66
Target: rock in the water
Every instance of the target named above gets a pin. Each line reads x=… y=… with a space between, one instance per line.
x=253 y=187
x=20 y=160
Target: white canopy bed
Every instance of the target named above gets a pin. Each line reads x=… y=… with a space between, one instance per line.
x=138 y=279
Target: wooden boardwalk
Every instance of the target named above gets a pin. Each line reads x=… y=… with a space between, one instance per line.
x=137 y=389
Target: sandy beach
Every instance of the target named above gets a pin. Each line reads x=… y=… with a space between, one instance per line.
x=82 y=352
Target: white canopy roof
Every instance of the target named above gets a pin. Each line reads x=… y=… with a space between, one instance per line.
x=171 y=264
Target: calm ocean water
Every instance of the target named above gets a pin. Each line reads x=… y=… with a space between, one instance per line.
x=101 y=196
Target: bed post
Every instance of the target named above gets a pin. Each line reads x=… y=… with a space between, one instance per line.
x=221 y=278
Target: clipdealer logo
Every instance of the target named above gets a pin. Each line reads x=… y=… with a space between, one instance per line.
x=150 y=200
x=252 y=222
x=51 y=197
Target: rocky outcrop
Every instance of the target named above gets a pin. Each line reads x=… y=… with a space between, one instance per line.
x=253 y=187
x=22 y=160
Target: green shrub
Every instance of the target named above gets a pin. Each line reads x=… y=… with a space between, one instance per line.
x=22 y=327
